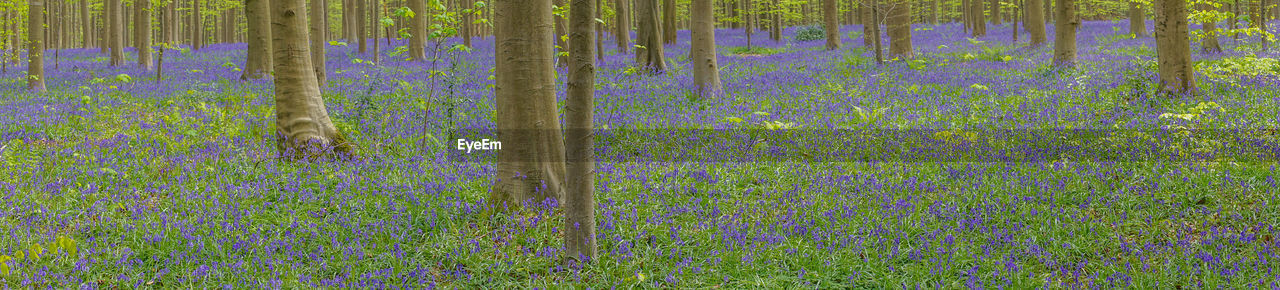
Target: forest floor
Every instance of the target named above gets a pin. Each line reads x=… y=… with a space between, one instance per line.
x=115 y=178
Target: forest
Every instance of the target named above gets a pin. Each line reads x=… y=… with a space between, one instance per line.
x=742 y=144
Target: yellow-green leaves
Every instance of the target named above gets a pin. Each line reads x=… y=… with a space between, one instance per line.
x=4 y=265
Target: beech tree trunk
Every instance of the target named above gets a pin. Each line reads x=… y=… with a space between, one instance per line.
x=832 y=23
x=319 y=40
x=580 y=204
x=775 y=27
x=258 y=55
x=868 y=23
x=1035 y=22
x=115 y=32
x=359 y=20
x=1209 y=39
x=530 y=165
x=900 y=30
x=649 y=52
x=702 y=54
x=996 y=17
x=669 y=21
x=1137 y=20
x=35 y=45
x=302 y=121
x=1064 y=42
x=86 y=26
x=622 y=35
x=142 y=28
x=1173 y=48
x=197 y=26
x=976 y=14
x=418 y=30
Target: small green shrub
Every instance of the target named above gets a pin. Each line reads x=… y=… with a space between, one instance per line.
x=810 y=33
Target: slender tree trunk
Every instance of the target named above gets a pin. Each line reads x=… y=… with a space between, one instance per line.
x=1137 y=20
x=1235 y=19
x=1064 y=42
x=319 y=41
x=775 y=28
x=996 y=17
x=86 y=26
x=302 y=120
x=976 y=16
x=579 y=206
x=115 y=31
x=1209 y=40
x=468 y=22
x=35 y=45
x=832 y=24
x=706 y=74
x=649 y=52
x=900 y=30
x=375 y=13
x=623 y=26
x=359 y=21
x=142 y=24
x=418 y=30
x=868 y=23
x=1173 y=48
x=669 y=21
x=258 y=54
x=531 y=168
x=875 y=29
x=197 y=26
x=1035 y=22
x=599 y=4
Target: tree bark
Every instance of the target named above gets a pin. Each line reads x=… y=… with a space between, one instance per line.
x=829 y=17
x=319 y=41
x=258 y=54
x=1064 y=42
x=1209 y=42
x=35 y=46
x=775 y=27
x=303 y=123
x=418 y=30
x=1173 y=48
x=977 y=18
x=579 y=206
x=649 y=52
x=622 y=35
x=900 y=30
x=531 y=169
x=142 y=26
x=375 y=14
x=197 y=26
x=1035 y=22
x=669 y=21
x=1137 y=20
x=996 y=17
x=359 y=21
x=868 y=23
x=599 y=31
x=115 y=32
x=706 y=74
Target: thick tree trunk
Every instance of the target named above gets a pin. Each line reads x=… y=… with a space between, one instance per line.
x=580 y=204
x=996 y=17
x=359 y=21
x=649 y=52
x=900 y=30
x=1173 y=48
x=976 y=16
x=1064 y=42
x=142 y=26
x=669 y=21
x=775 y=25
x=868 y=23
x=302 y=121
x=1035 y=22
x=319 y=41
x=1137 y=20
x=622 y=33
x=35 y=45
x=531 y=168
x=115 y=32
x=1209 y=40
x=829 y=17
x=258 y=54
x=86 y=26
x=418 y=30
x=702 y=54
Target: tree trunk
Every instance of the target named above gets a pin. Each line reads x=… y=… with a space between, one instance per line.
x=996 y=17
x=115 y=32
x=1137 y=20
x=832 y=24
x=622 y=35
x=775 y=28
x=359 y=21
x=1209 y=41
x=258 y=54
x=1173 y=48
x=1064 y=42
x=197 y=26
x=702 y=54
x=531 y=168
x=900 y=30
x=599 y=31
x=580 y=204
x=669 y=21
x=977 y=18
x=375 y=14
x=319 y=41
x=35 y=45
x=418 y=30
x=875 y=29
x=1035 y=22
x=302 y=121
x=649 y=52
x=868 y=24
x=142 y=26
x=468 y=23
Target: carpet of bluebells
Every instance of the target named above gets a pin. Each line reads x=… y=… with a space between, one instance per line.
x=117 y=179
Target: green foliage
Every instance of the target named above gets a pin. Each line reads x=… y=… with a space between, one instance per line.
x=810 y=33
x=754 y=50
x=1232 y=67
